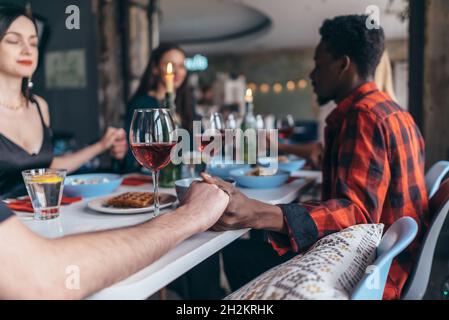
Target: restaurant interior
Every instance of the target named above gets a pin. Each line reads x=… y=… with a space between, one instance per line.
x=239 y=64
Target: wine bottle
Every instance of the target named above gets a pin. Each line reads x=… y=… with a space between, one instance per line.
x=249 y=122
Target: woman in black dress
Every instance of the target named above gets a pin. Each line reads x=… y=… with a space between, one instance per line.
x=25 y=135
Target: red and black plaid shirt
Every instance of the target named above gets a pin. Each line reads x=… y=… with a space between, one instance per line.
x=373 y=172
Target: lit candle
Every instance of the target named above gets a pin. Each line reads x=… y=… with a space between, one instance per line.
x=249 y=95
x=169 y=78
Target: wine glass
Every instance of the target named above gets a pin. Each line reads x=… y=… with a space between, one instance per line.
x=191 y=158
x=152 y=137
x=286 y=126
x=213 y=126
x=216 y=122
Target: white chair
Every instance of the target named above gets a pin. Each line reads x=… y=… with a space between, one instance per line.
x=395 y=240
x=435 y=175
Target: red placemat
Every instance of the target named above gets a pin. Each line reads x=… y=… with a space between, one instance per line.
x=135 y=181
x=24 y=205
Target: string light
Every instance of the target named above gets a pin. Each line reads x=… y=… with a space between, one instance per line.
x=277 y=87
x=302 y=84
x=264 y=88
x=252 y=86
x=291 y=85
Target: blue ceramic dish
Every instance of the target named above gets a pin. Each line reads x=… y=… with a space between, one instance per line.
x=218 y=169
x=91 y=185
x=294 y=163
x=260 y=182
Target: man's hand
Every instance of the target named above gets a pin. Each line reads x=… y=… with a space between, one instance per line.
x=316 y=155
x=243 y=212
x=204 y=203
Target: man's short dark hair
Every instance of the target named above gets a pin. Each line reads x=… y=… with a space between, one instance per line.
x=349 y=35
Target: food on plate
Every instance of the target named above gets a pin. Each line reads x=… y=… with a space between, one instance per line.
x=131 y=200
x=76 y=182
x=261 y=172
x=283 y=159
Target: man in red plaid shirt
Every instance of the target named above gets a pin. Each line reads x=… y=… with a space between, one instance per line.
x=373 y=164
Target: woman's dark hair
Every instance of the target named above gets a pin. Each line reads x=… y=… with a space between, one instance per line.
x=184 y=94
x=9 y=14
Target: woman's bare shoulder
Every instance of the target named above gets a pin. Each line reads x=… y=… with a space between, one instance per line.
x=44 y=109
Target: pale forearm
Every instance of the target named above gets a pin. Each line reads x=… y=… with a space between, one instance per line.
x=39 y=266
x=120 y=253
x=73 y=161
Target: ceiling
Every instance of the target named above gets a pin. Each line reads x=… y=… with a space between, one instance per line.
x=223 y=26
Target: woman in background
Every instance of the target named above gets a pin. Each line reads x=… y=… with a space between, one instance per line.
x=25 y=134
x=152 y=89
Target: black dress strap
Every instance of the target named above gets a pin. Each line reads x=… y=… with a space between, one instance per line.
x=34 y=100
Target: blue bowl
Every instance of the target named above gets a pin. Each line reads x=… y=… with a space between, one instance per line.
x=91 y=185
x=294 y=163
x=261 y=182
x=223 y=171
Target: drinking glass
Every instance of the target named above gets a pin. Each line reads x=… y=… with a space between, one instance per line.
x=286 y=126
x=213 y=127
x=45 y=188
x=153 y=137
x=190 y=159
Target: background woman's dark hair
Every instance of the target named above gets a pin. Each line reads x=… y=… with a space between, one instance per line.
x=9 y=14
x=184 y=94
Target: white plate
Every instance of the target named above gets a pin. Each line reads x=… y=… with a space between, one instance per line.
x=97 y=205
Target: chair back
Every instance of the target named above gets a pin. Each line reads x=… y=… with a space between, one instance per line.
x=418 y=280
x=395 y=240
x=435 y=175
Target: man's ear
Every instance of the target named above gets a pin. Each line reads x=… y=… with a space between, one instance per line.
x=345 y=64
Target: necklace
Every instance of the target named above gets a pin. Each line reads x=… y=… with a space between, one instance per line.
x=12 y=107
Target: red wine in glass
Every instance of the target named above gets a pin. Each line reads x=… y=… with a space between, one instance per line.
x=204 y=140
x=154 y=156
x=286 y=127
x=203 y=143
x=286 y=133
x=152 y=138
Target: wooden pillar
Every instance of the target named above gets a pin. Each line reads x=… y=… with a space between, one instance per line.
x=111 y=82
x=124 y=33
x=416 y=60
x=137 y=45
x=436 y=81
x=153 y=16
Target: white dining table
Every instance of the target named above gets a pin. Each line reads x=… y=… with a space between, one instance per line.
x=77 y=218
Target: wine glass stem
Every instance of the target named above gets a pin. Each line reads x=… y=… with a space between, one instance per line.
x=156 y=191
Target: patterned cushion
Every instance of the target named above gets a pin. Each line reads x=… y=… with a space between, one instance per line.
x=329 y=270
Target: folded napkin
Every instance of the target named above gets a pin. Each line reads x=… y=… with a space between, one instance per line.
x=137 y=180
x=24 y=204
